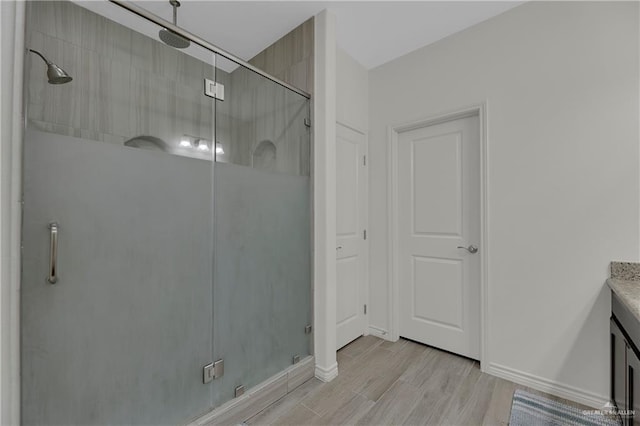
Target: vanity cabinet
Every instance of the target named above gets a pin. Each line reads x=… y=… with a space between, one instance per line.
x=625 y=361
x=633 y=385
x=618 y=366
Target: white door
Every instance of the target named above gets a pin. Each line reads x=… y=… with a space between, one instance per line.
x=438 y=214
x=350 y=238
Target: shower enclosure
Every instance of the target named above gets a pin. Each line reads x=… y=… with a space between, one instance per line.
x=166 y=223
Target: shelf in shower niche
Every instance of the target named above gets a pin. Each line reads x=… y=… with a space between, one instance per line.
x=150 y=143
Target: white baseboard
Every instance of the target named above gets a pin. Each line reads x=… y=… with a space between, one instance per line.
x=379 y=332
x=327 y=374
x=561 y=390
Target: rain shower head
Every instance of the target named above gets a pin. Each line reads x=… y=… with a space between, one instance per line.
x=170 y=38
x=55 y=74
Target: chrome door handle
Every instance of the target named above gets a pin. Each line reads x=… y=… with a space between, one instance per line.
x=339 y=248
x=471 y=249
x=53 y=253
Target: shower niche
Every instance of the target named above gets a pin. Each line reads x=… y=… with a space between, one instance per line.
x=264 y=156
x=183 y=223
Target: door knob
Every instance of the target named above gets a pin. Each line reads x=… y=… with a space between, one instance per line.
x=471 y=249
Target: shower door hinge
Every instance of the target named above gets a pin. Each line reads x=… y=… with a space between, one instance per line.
x=212 y=371
x=365 y=309
x=364 y=234
x=213 y=89
x=307 y=122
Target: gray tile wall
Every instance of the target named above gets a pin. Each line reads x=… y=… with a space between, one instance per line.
x=265 y=113
x=125 y=84
x=291 y=58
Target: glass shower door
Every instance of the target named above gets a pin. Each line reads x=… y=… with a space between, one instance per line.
x=262 y=267
x=118 y=224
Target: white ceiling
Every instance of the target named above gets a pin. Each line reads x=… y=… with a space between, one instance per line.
x=372 y=32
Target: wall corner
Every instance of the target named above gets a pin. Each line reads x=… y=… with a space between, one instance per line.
x=324 y=195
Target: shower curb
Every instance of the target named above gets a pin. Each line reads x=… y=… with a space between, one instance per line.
x=259 y=397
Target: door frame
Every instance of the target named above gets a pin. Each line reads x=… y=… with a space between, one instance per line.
x=393 y=132
x=365 y=220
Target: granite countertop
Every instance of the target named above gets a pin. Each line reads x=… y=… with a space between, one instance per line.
x=625 y=283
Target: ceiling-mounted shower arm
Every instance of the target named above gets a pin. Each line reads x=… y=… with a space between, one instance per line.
x=133 y=8
x=175 y=4
x=171 y=38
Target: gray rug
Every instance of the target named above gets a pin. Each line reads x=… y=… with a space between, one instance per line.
x=528 y=409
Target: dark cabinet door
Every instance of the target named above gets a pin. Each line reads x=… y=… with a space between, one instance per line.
x=618 y=367
x=633 y=386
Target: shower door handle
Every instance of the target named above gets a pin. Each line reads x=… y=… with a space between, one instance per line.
x=53 y=253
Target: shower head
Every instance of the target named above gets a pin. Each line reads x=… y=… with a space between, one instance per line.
x=55 y=74
x=170 y=38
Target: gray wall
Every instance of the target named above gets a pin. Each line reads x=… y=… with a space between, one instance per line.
x=262 y=110
x=291 y=58
x=125 y=83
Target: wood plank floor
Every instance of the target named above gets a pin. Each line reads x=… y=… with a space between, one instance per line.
x=401 y=383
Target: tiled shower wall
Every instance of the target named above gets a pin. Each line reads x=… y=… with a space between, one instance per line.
x=290 y=58
x=263 y=112
x=125 y=84
x=266 y=114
